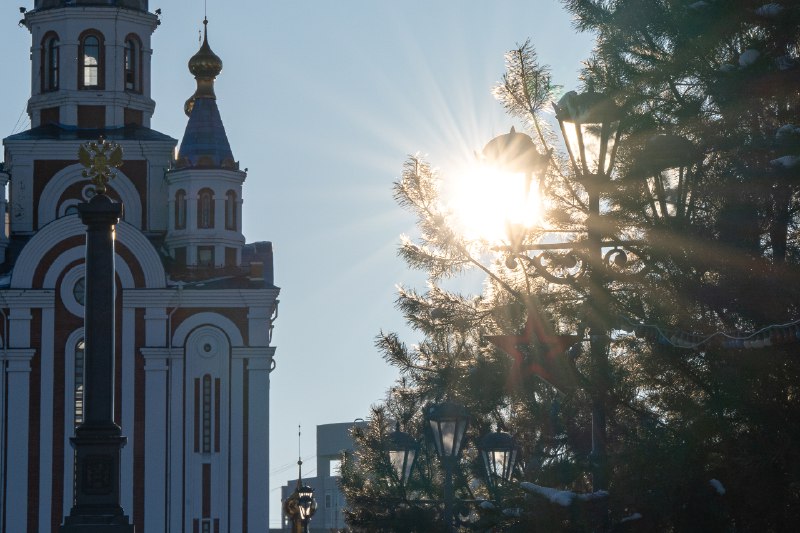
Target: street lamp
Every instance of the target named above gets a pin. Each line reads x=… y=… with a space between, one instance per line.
x=515 y=153
x=448 y=423
x=307 y=505
x=402 y=449
x=499 y=453
x=590 y=124
x=300 y=506
x=668 y=166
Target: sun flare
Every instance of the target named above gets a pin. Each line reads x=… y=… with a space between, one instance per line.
x=485 y=201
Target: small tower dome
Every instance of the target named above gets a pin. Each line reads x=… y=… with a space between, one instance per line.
x=205 y=143
x=205 y=63
x=140 y=5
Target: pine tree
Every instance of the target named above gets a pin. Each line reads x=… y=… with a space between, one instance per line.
x=703 y=428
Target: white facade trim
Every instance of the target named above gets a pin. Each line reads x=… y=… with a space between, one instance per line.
x=69 y=410
x=47 y=380
x=128 y=407
x=214 y=298
x=16 y=490
x=258 y=445
x=253 y=352
x=207 y=319
x=236 y=496
x=28 y=298
x=156 y=374
x=51 y=195
x=71 y=226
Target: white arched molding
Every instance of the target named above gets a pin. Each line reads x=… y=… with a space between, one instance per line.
x=207 y=319
x=64 y=228
x=67 y=287
x=207 y=355
x=69 y=410
x=121 y=184
x=66 y=204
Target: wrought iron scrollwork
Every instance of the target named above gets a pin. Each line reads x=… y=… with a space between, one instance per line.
x=567 y=266
x=623 y=263
x=563 y=267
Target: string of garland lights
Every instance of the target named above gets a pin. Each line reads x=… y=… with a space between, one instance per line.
x=772 y=335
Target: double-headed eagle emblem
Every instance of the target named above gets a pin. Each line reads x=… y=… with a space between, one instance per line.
x=100 y=159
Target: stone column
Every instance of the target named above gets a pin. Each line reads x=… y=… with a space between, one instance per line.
x=18 y=389
x=156 y=367
x=258 y=369
x=236 y=475
x=98 y=441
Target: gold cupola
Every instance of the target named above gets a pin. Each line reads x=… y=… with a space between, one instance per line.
x=205 y=65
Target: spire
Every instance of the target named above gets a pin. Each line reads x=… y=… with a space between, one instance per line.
x=205 y=143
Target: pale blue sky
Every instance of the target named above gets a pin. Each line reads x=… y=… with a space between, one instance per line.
x=322 y=101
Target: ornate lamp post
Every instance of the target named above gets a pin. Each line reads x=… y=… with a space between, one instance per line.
x=98 y=440
x=301 y=505
x=499 y=453
x=402 y=449
x=590 y=124
x=448 y=423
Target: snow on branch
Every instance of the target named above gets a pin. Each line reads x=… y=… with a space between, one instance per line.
x=564 y=498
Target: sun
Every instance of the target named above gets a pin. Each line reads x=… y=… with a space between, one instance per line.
x=484 y=201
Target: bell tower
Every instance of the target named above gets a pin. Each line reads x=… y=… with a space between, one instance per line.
x=205 y=184
x=90 y=63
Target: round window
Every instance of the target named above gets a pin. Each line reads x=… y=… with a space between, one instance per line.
x=79 y=290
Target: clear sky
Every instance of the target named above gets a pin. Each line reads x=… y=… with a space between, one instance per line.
x=322 y=101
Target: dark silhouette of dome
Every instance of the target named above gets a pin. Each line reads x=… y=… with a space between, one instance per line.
x=140 y=5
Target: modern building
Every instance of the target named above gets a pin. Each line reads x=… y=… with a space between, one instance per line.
x=332 y=441
x=195 y=303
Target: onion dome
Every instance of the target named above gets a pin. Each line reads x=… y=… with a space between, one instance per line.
x=205 y=143
x=205 y=65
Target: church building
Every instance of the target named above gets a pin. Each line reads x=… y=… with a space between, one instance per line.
x=195 y=302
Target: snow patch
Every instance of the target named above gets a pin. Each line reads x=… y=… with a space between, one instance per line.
x=769 y=10
x=486 y=504
x=514 y=512
x=564 y=498
x=727 y=67
x=786 y=130
x=748 y=57
x=698 y=5
x=717 y=485
x=787 y=161
x=631 y=518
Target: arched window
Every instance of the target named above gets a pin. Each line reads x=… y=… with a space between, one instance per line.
x=90 y=61
x=132 y=68
x=180 y=209
x=230 y=210
x=50 y=62
x=205 y=209
x=78 y=383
